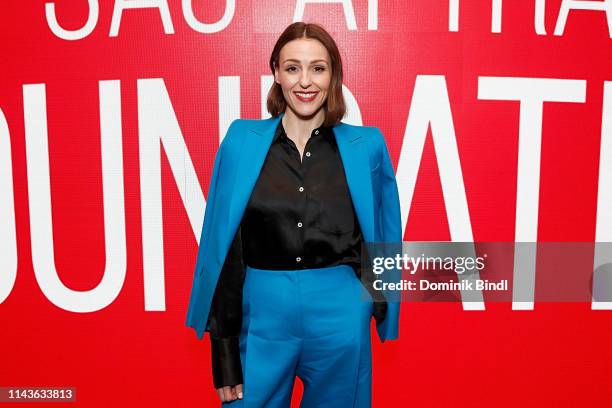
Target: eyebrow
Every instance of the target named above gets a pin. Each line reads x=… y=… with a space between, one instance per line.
x=312 y=62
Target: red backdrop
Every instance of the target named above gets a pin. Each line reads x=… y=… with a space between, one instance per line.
x=163 y=91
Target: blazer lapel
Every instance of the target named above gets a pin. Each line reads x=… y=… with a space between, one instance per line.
x=355 y=159
x=252 y=155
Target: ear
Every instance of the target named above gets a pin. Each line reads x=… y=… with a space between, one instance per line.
x=276 y=75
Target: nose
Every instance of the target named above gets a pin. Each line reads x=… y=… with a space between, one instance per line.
x=305 y=79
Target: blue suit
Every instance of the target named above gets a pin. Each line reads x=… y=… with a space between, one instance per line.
x=370 y=178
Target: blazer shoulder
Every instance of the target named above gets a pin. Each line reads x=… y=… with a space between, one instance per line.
x=241 y=125
x=360 y=128
x=376 y=136
x=236 y=128
x=236 y=124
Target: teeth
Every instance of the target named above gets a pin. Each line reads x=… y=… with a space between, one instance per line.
x=305 y=95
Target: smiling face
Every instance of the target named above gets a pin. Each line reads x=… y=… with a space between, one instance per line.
x=304 y=74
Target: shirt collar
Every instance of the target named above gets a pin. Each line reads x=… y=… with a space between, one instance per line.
x=323 y=131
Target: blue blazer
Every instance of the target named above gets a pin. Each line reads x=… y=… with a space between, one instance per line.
x=371 y=182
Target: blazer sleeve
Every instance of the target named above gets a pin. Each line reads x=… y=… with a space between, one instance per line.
x=367 y=275
x=391 y=212
x=392 y=233
x=225 y=318
x=195 y=317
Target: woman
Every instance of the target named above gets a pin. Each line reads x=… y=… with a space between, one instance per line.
x=291 y=200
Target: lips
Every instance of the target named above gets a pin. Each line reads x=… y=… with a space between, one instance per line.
x=306 y=96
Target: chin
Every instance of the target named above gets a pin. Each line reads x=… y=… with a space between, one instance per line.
x=307 y=112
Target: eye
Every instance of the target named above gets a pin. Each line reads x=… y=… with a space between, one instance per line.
x=292 y=68
x=319 y=68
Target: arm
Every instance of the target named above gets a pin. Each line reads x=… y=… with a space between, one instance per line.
x=367 y=278
x=391 y=213
x=392 y=233
x=225 y=319
x=196 y=316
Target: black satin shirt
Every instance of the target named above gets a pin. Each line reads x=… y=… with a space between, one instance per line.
x=300 y=215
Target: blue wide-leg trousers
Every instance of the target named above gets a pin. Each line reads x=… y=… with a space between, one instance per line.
x=310 y=323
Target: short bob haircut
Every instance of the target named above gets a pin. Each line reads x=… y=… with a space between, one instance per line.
x=334 y=106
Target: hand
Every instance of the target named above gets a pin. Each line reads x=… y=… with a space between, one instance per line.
x=230 y=393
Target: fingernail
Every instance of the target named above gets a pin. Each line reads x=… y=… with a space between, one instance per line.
x=240 y=395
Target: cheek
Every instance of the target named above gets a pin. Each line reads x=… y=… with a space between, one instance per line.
x=287 y=84
x=324 y=83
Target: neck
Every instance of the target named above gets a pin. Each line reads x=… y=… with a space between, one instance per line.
x=301 y=127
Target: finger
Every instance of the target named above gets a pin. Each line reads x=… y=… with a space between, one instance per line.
x=239 y=391
x=234 y=393
x=220 y=394
x=227 y=393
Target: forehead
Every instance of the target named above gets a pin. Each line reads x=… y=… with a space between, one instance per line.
x=304 y=50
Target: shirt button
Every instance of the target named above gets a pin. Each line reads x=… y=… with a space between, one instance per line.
x=299 y=225
x=298 y=259
x=317 y=132
x=301 y=189
x=307 y=154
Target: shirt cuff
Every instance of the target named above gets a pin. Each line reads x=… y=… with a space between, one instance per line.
x=380 y=311
x=226 y=367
